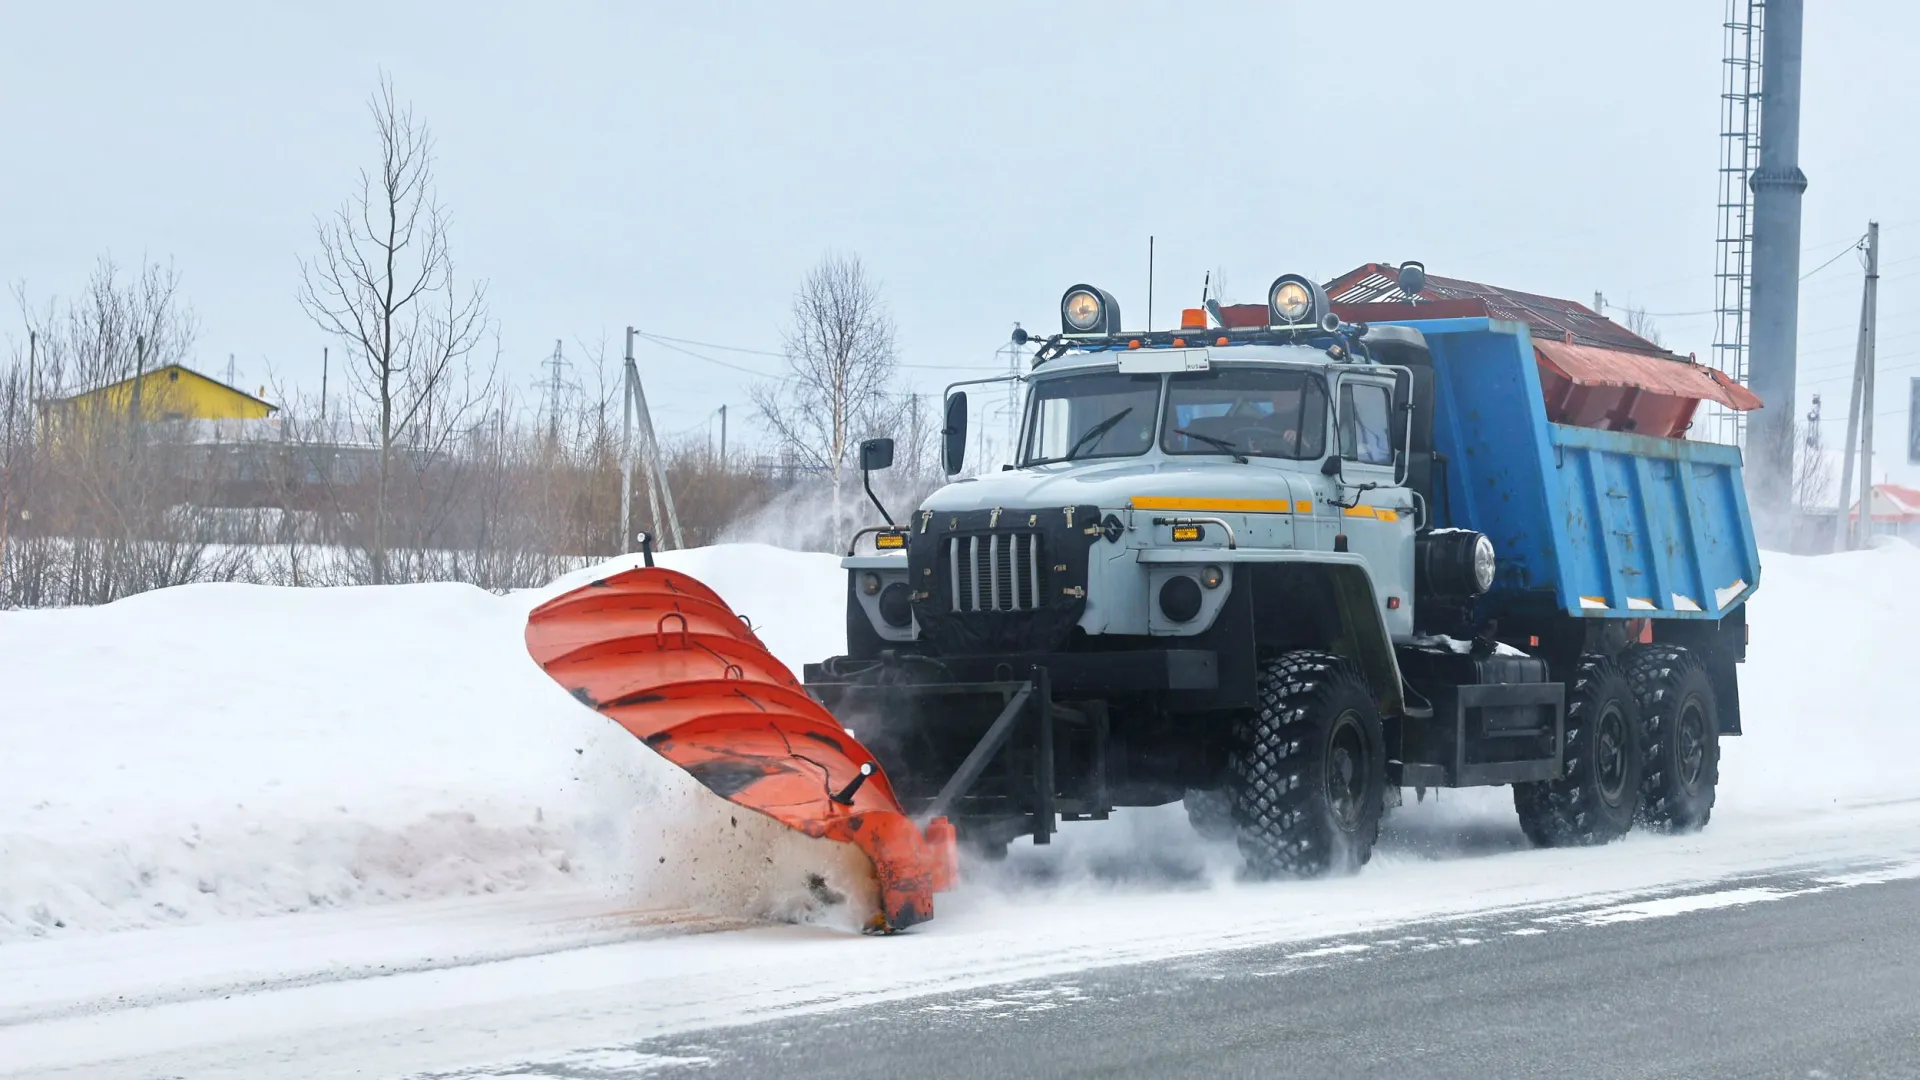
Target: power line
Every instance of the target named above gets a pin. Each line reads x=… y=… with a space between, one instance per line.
x=713 y=345
x=1837 y=257
x=666 y=342
x=1664 y=314
x=1855 y=246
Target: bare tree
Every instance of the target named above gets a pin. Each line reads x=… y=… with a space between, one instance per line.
x=384 y=284
x=1641 y=323
x=106 y=495
x=840 y=365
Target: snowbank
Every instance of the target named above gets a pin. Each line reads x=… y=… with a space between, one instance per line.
x=219 y=751
x=1828 y=709
x=227 y=750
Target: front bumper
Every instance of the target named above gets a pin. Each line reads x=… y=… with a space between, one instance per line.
x=1089 y=674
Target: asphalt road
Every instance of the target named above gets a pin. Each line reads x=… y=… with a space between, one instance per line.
x=1777 y=976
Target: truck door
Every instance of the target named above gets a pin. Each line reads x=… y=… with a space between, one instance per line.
x=1379 y=527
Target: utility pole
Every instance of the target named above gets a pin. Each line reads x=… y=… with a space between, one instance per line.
x=33 y=380
x=1778 y=185
x=1860 y=412
x=1867 y=334
x=133 y=397
x=626 y=450
x=635 y=397
x=723 y=436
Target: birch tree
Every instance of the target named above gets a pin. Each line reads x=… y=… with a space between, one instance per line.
x=383 y=284
x=840 y=364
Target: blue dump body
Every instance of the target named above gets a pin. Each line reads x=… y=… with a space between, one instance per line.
x=1598 y=524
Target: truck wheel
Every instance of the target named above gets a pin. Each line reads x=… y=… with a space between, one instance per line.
x=1307 y=773
x=1598 y=792
x=1680 y=741
x=1210 y=812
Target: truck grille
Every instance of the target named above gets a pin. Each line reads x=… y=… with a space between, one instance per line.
x=1000 y=572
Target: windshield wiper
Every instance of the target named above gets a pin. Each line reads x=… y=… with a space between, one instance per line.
x=1221 y=444
x=1093 y=434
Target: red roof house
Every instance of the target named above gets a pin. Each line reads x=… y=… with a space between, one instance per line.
x=1896 y=511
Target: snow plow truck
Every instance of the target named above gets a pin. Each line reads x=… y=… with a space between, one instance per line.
x=1280 y=564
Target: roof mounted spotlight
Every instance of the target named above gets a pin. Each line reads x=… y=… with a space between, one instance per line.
x=1412 y=278
x=1087 y=310
x=1294 y=300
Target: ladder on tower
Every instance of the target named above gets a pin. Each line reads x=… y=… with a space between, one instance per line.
x=1739 y=156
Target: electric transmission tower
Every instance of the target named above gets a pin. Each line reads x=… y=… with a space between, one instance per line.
x=1014 y=356
x=554 y=388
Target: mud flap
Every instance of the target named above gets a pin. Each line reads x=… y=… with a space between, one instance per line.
x=662 y=655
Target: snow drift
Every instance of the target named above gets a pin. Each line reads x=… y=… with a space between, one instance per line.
x=216 y=751
x=219 y=751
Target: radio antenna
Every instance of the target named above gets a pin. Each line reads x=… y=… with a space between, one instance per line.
x=1149 y=283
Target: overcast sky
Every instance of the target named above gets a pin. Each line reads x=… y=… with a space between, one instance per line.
x=679 y=166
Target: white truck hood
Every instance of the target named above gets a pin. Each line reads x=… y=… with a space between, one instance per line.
x=1111 y=484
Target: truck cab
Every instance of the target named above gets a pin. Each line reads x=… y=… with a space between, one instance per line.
x=1228 y=565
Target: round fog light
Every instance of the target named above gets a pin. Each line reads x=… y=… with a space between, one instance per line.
x=870 y=583
x=1180 y=598
x=1482 y=564
x=1212 y=576
x=896 y=605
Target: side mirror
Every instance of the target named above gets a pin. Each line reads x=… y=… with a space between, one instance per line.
x=876 y=454
x=1331 y=466
x=955 y=433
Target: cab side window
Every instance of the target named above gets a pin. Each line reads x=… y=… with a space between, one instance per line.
x=1366 y=433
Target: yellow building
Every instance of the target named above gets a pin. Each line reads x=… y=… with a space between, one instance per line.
x=170 y=393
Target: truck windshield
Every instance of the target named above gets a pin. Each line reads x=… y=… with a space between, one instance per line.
x=1263 y=412
x=1104 y=414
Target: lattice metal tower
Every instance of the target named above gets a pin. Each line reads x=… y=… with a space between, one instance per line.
x=1010 y=410
x=1739 y=156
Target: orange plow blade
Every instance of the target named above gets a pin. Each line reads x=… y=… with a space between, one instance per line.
x=667 y=659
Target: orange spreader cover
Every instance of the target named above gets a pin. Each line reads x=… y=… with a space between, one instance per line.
x=664 y=656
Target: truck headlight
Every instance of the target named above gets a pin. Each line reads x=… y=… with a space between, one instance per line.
x=1212 y=576
x=1483 y=564
x=870 y=583
x=1180 y=598
x=896 y=605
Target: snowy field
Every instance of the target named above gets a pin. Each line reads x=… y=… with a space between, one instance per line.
x=222 y=807
x=214 y=752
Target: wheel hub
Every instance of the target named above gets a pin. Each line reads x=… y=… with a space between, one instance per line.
x=1348 y=766
x=1691 y=743
x=1610 y=757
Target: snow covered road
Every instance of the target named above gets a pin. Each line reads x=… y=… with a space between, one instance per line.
x=479 y=987
x=1775 y=976
x=440 y=864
